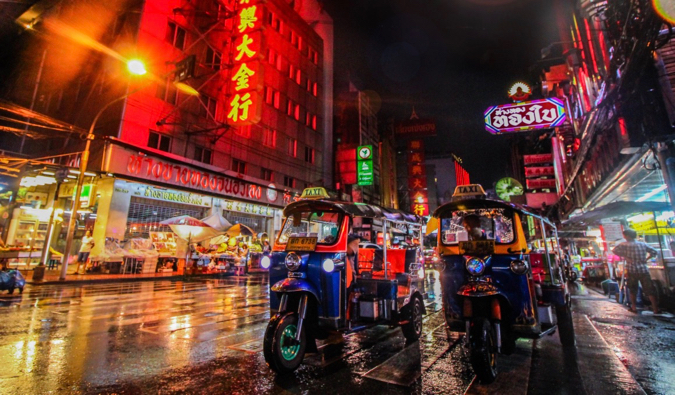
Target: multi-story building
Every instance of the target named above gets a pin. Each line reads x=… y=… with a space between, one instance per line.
x=248 y=127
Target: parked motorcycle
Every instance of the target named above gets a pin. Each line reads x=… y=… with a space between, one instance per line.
x=11 y=280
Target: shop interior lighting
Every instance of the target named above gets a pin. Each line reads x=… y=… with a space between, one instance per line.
x=639 y=218
x=37 y=181
x=665 y=216
x=86 y=173
x=652 y=193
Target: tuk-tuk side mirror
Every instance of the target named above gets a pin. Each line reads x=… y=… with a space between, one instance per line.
x=297 y=220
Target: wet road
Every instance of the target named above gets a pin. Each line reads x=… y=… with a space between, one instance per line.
x=204 y=336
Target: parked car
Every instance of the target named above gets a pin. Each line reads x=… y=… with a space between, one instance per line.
x=430 y=258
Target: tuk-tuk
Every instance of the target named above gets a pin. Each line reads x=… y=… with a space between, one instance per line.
x=501 y=275
x=311 y=295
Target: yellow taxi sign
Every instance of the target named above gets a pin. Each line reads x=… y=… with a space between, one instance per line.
x=475 y=190
x=314 y=193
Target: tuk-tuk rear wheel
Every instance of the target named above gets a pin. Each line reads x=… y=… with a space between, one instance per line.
x=282 y=352
x=483 y=352
x=412 y=330
x=565 y=325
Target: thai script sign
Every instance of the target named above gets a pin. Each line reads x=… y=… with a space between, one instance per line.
x=520 y=117
x=159 y=171
x=416 y=128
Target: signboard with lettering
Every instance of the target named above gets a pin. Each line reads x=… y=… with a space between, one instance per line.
x=244 y=102
x=541 y=184
x=536 y=171
x=537 y=159
x=301 y=244
x=161 y=171
x=364 y=165
x=475 y=190
x=415 y=128
x=523 y=116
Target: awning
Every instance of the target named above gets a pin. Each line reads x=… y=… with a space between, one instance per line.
x=616 y=209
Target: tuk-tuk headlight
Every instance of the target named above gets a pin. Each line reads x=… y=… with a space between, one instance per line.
x=328 y=265
x=475 y=266
x=293 y=261
x=519 y=267
x=265 y=262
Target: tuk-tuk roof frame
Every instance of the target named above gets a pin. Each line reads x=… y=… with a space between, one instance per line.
x=471 y=204
x=355 y=210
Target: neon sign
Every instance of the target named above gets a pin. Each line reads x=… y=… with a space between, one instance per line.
x=520 y=117
x=244 y=103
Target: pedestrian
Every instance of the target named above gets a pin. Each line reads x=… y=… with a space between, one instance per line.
x=636 y=254
x=85 y=250
x=267 y=249
x=473 y=227
x=351 y=271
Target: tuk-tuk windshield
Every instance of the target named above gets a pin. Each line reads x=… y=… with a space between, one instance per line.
x=323 y=225
x=479 y=224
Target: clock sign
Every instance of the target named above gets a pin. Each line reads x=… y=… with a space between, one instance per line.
x=365 y=152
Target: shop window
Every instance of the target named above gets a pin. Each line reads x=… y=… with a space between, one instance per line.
x=289 y=182
x=293 y=148
x=270 y=137
x=203 y=155
x=167 y=92
x=239 y=166
x=145 y=215
x=309 y=155
x=208 y=107
x=159 y=141
x=175 y=35
x=213 y=59
x=267 y=174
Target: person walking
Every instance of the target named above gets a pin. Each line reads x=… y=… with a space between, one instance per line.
x=636 y=254
x=85 y=250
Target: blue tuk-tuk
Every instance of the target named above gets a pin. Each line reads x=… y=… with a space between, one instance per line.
x=501 y=275
x=313 y=291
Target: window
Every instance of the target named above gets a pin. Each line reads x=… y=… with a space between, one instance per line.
x=476 y=224
x=213 y=59
x=315 y=89
x=289 y=182
x=277 y=100
x=167 y=92
x=293 y=147
x=159 y=141
x=208 y=107
x=270 y=18
x=314 y=122
x=289 y=107
x=269 y=95
x=296 y=112
x=298 y=77
x=270 y=138
x=266 y=174
x=309 y=85
x=280 y=63
x=294 y=38
x=324 y=225
x=300 y=43
x=203 y=155
x=291 y=71
x=175 y=35
x=315 y=58
x=239 y=166
x=309 y=155
x=308 y=119
x=272 y=57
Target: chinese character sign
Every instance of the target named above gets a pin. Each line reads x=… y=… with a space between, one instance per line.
x=520 y=117
x=244 y=105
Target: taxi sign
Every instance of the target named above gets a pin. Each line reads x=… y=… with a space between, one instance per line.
x=477 y=247
x=301 y=244
x=314 y=193
x=475 y=190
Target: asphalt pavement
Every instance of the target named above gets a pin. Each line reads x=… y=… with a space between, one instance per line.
x=205 y=335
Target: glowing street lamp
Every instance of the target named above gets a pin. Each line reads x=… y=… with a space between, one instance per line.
x=136 y=67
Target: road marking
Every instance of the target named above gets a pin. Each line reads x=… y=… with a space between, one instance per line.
x=251 y=346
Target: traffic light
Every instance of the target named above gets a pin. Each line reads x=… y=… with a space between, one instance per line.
x=185 y=69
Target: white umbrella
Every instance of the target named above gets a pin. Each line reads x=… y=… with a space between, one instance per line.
x=191 y=229
x=217 y=221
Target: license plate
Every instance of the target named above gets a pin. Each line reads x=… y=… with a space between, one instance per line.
x=477 y=247
x=301 y=244
x=296 y=274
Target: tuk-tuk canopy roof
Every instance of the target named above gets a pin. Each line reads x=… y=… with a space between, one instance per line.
x=473 y=204
x=353 y=209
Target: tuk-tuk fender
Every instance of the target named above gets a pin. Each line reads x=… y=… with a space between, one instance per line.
x=289 y=285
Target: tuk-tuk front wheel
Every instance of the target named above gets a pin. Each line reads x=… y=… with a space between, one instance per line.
x=483 y=350
x=565 y=325
x=412 y=329
x=282 y=352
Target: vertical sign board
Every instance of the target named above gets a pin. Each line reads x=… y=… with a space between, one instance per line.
x=244 y=105
x=417 y=178
x=364 y=165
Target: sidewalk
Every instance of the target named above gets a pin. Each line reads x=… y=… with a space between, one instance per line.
x=52 y=277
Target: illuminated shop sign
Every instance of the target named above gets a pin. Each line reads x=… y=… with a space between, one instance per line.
x=248 y=208
x=416 y=128
x=541 y=184
x=244 y=103
x=520 y=117
x=537 y=159
x=157 y=170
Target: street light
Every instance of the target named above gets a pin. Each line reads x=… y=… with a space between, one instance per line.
x=135 y=67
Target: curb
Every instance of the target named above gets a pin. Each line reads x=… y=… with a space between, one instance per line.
x=136 y=279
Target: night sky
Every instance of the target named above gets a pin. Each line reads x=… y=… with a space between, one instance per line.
x=451 y=59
